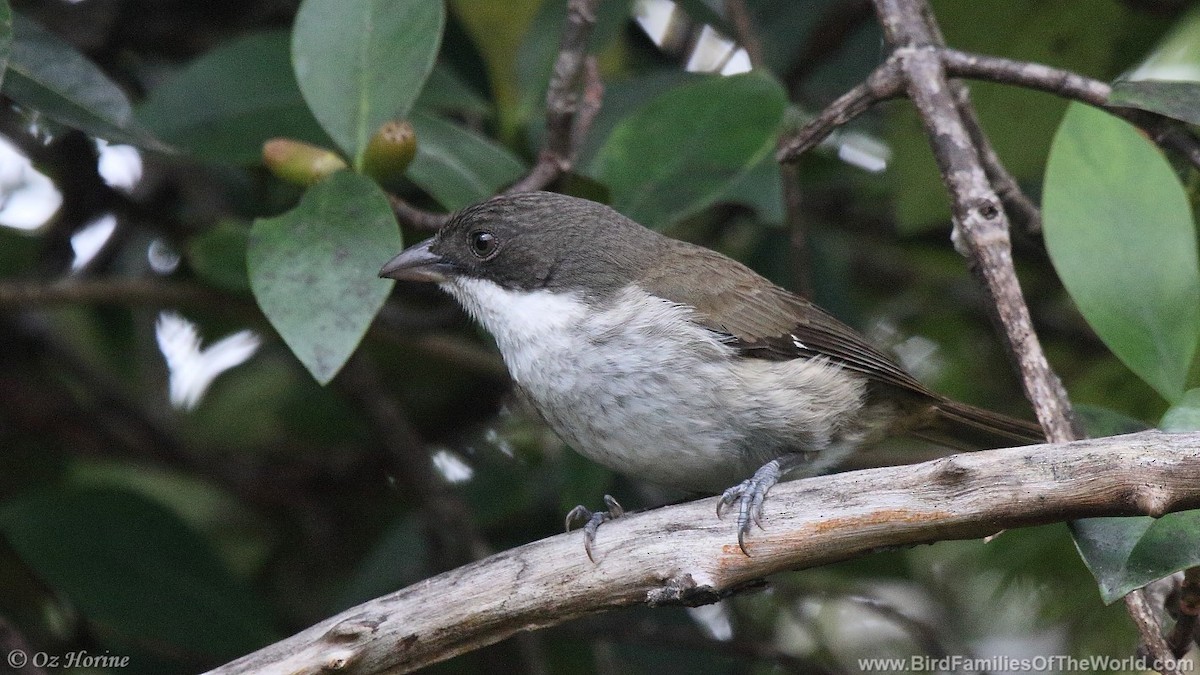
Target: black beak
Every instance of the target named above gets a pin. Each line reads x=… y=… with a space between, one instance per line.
x=417 y=263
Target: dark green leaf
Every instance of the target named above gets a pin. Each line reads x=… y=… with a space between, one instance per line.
x=48 y=75
x=1184 y=415
x=1128 y=553
x=5 y=37
x=1105 y=544
x=1117 y=221
x=361 y=63
x=457 y=166
x=445 y=92
x=1171 y=544
x=1180 y=100
x=225 y=104
x=133 y=567
x=313 y=269
x=219 y=256
x=681 y=151
x=623 y=97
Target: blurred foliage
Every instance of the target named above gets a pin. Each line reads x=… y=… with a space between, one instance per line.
x=185 y=537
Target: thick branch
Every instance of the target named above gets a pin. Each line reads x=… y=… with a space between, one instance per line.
x=684 y=555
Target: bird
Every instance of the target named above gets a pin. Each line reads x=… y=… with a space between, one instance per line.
x=674 y=363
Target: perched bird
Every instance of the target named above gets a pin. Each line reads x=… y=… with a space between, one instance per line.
x=671 y=362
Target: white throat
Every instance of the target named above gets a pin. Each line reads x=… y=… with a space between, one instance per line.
x=525 y=324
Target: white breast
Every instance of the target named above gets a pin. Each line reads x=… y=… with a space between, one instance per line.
x=621 y=386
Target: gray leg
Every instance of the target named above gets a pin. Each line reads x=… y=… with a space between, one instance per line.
x=750 y=493
x=592 y=521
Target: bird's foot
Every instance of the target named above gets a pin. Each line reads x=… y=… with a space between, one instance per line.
x=749 y=496
x=592 y=521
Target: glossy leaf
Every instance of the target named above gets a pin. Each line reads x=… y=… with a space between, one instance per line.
x=50 y=76
x=1117 y=222
x=1128 y=553
x=458 y=167
x=224 y=105
x=1171 y=544
x=313 y=269
x=1184 y=415
x=6 y=30
x=1105 y=545
x=132 y=566
x=361 y=63
x=701 y=137
x=1180 y=100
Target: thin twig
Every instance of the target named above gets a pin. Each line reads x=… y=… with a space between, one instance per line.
x=743 y=28
x=884 y=83
x=569 y=114
x=1063 y=83
x=417 y=218
x=568 y=85
x=135 y=291
x=1152 y=639
x=1166 y=132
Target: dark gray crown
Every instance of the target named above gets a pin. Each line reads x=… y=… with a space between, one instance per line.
x=551 y=241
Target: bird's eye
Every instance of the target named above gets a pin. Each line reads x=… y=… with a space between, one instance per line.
x=483 y=243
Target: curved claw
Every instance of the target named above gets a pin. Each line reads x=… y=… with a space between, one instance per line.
x=749 y=495
x=593 y=521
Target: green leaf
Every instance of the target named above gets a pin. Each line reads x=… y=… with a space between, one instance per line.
x=1171 y=544
x=48 y=75
x=683 y=150
x=5 y=37
x=224 y=105
x=133 y=567
x=1105 y=545
x=1184 y=415
x=446 y=92
x=458 y=167
x=219 y=256
x=313 y=269
x=361 y=63
x=1120 y=234
x=1180 y=100
x=1176 y=56
x=1128 y=553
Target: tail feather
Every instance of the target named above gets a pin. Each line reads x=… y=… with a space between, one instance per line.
x=965 y=427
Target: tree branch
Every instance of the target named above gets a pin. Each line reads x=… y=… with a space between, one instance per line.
x=981 y=226
x=1152 y=638
x=565 y=126
x=683 y=554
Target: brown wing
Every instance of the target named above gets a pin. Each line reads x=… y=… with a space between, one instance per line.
x=765 y=321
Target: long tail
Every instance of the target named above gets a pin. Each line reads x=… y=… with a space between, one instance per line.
x=965 y=427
